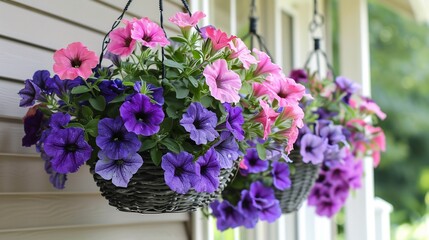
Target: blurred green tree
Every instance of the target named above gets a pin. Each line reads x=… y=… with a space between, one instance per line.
x=400 y=85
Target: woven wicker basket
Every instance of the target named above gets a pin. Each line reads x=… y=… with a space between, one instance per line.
x=148 y=193
x=302 y=180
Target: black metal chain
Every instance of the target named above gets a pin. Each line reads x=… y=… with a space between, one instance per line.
x=161 y=23
x=106 y=38
x=253 y=24
x=185 y=4
x=316 y=24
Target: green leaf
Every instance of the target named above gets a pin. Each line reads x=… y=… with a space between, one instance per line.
x=206 y=101
x=98 y=103
x=180 y=88
x=74 y=124
x=193 y=81
x=80 y=89
x=92 y=127
x=166 y=125
x=147 y=144
x=86 y=112
x=119 y=98
x=173 y=64
x=128 y=84
x=156 y=156
x=150 y=79
x=171 y=145
x=262 y=152
x=179 y=39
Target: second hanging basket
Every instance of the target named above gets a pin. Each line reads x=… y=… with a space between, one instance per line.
x=302 y=180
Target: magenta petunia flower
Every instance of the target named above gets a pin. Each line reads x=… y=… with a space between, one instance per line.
x=141 y=116
x=240 y=51
x=284 y=89
x=183 y=20
x=223 y=83
x=73 y=61
x=265 y=65
x=219 y=39
x=120 y=171
x=121 y=42
x=266 y=117
x=148 y=33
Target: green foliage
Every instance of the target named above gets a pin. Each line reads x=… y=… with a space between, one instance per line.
x=400 y=85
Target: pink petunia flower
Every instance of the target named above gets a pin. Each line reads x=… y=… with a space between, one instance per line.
x=240 y=51
x=260 y=89
x=295 y=112
x=121 y=42
x=73 y=61
x=223 y=83
x=148 y=33
x=265 y=65
x=219 y=39
x=183 y=20
x=284 y=89
x=266 y=117
x=370 y=106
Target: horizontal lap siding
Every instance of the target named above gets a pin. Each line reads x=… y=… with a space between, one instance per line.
x=30 y=208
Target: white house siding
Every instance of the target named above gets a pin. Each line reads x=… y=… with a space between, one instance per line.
x=30 y=208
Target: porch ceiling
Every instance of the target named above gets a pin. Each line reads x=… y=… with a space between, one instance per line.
x=417 y=9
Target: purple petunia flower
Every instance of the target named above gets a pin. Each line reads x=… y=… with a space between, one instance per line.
x=334 y=133
x=299 y=75
x=340 y=190
x=325 y=114
x=200 y=122
x=328 y=206
x=141 y=116
x=116 y=59
x=120 y=171
x=111 y=89
x=261 y=195
x=227 y=150
x=312 y=148
x=209 y=169
x=59 y=120
x=157 y=93
x=253 y=162
x=179 y=171
x=68 y=149
x=59 y=87
x=333 y=155
x=41 y=79
x=271 y=213
x=114 y=140
x=246 y=208
x=29 y=94
x=58 y=180
x=346 y=85
x=229 y=216
x=281 y=173
x=234 y=121
x=32 y=128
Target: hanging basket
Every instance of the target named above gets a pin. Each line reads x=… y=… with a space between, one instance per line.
x=302 y=181
x=148 y=193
